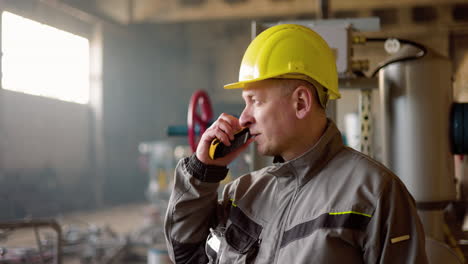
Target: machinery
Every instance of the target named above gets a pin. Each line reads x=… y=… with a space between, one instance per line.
x=421 y=126
x=43 y=254
x=68 y=243
x=416 y=106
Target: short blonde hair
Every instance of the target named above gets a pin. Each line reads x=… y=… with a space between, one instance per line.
x=289 y=85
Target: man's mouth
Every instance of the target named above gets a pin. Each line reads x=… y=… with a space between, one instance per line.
x=254 y=135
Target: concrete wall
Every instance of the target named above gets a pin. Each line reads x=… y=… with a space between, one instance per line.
x=149 y=75
x=44 y=143
x=39 y=132
x=44 y=154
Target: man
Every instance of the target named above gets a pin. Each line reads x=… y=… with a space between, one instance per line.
x=321 y=202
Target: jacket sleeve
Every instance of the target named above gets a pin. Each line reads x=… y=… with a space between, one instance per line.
x=395 y=233
x=192 y=210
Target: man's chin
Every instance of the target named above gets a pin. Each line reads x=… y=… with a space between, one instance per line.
x=265 y=152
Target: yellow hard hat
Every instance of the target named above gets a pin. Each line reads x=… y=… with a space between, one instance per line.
x=292 y=52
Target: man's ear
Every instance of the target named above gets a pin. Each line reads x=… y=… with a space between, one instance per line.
x=303 y=100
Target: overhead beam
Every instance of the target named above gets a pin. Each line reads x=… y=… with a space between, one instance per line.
x=174 y=11
x=118 y=10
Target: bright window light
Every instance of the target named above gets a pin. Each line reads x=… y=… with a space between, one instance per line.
x=43 y=60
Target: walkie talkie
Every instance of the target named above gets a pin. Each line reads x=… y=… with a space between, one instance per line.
x=218 y=149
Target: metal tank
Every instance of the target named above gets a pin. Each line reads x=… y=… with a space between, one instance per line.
x=416 y=101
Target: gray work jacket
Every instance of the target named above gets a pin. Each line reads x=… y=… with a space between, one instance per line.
x=330 y=205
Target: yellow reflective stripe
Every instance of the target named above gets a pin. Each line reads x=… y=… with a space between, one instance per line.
x=399 y=239
x=350 y=212
x=233 y=204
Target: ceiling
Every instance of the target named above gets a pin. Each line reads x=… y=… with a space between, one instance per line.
x=166 y=11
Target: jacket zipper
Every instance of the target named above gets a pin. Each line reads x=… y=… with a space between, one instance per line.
x=283 y=224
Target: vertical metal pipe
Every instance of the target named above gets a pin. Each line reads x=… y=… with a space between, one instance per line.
x=385 y=86
x=97 y=152
x=131 y=11
x=323 y=12
x=323 y=9
x=253 y=30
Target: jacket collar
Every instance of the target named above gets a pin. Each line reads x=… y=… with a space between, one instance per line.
x=312 y=161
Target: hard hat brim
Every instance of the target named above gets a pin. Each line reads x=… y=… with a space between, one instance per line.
x=242 y=84
x=237 y=85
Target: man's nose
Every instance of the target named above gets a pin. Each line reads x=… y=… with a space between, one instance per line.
x=246 y=118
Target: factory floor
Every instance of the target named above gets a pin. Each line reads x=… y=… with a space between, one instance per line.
x=459 y=231
x=128 y=219
x=120 y=221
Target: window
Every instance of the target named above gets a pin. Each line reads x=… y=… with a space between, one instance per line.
x=43 y=60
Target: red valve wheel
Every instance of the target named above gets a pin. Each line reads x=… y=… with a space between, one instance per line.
x=200 y=119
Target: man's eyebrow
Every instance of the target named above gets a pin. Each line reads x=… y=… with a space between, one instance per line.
x=247 y=95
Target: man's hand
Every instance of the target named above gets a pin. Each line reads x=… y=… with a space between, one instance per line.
x=224 y=129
